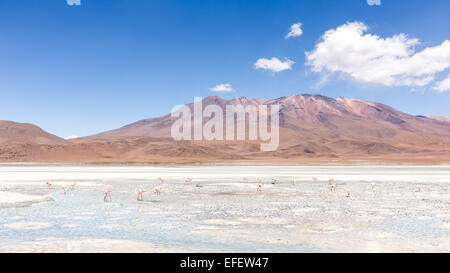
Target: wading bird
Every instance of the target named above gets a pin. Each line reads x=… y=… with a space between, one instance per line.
x=158 y=190
x=330 y=182
x=188 y=180
x=274 y=180
x=48 y=183
x=348 y=193
x=245 y=179
x=140 y=194
x=107 y=197
x=333 y=187
x=372 y=185
x=315 y=179
x=162 y=180
x=260 y=184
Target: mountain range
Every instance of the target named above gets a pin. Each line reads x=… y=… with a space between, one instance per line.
x=313 y=129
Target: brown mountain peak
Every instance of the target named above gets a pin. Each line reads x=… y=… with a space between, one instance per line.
x=15 y=132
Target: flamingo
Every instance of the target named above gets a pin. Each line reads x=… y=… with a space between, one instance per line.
x=274 y=180
x=107 y=197
x=158 y=190
x=418 y=188
x=333 y=187
x=260 y=184
x=162 y=180
x=188 y=180
x=245 y=179
x=63 y=189
x=348 y=193
x=330 y=182
x=72 y=186
x=372 y=185
x=48 y=183
x=140 y=194
x=315 y=179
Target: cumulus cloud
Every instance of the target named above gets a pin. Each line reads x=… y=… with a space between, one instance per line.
x=391 y=61
x=274 y=64
x=444 y=85
x=73 y=2
x=226 y=87
x=296 y=31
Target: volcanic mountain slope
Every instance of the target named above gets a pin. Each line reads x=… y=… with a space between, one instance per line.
x=446 y=119
x=154 y=127
x=19 y=140
x=313 y=128
x=25 y=133
x=314 y=125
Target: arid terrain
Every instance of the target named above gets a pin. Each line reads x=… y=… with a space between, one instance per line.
x=314 y=129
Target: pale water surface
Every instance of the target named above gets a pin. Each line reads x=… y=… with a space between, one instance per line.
x=218 y=212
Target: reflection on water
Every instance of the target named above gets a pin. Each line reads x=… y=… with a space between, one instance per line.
x=218 y=211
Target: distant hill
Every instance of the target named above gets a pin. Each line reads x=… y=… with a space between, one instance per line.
x=25 y=133
x=313 y=128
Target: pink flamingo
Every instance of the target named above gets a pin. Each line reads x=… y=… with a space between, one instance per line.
x=274 y=180
x=63 y=189
x=48 y=183
x=140 y=194
x=330 y=181
x=333 y=187
x=162 y=180
x=372 y=185
x=418 y=189
x=245 y=179
x=315 y=179
x=348 y=193
x=158 y=190
x=107 y=197
x=260 y=184
x=72 y=186
x=188 y=180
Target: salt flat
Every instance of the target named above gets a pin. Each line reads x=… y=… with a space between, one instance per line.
x=14 y=199
x=390 y=208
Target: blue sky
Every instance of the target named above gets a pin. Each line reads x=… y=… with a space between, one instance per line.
x=83 y=69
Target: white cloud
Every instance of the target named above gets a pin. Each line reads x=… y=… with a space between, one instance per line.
x=444 y=85
x=296 y=31
x=369 y=58
x=73 y=2
x=274 y=64
x=71 y=137
x=225 y=87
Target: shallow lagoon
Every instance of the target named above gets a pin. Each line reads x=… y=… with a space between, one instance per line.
x=218 y=212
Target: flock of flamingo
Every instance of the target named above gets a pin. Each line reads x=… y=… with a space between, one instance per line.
x=159 y=189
